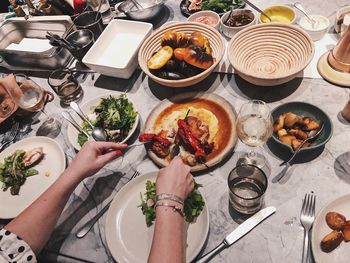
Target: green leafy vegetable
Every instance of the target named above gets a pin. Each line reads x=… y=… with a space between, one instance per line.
x=193 y=207
x=116 y=115
x=220 y=5
x=13 y=173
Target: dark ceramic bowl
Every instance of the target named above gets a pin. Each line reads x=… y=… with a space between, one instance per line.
x=304 y=109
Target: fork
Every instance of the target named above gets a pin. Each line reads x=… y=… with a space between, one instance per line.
x=307 y=218
x=89 y=224
x=10 y=136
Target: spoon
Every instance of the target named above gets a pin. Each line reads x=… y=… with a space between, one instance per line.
x=298 y=6
x=59 y=39
x=70 y=119
x=98 y=10
x=257 y=9
x=229 y=15
x=97 y=133
x=313 y=135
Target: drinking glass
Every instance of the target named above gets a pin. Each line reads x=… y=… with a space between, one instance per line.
x=65 y=85
x=247 y=185
x=254 y=127
x=105 y=9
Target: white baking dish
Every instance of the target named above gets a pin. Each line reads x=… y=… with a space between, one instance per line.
x=115 y=52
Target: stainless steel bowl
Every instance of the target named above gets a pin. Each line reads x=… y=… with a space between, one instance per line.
x=150 y=9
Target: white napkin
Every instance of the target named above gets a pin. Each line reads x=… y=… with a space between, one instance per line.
x=30 y=45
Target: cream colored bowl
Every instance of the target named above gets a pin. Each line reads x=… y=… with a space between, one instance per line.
x=152 y=45
x=270 y=54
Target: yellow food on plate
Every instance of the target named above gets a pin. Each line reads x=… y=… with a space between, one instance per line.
x=159 y=59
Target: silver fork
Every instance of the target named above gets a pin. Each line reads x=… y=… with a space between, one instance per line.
x=307 y=218
x=89 y=224
x=10 y=136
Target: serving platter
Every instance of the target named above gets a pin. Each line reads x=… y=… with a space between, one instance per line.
x=88 y=108
x=225 y=138
x=320 y=228
x=128 y=237
x=49 y=168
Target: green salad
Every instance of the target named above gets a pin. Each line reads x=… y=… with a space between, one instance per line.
x=13 y=172
x=193 y=207
x=116 y=115
x=220 y=5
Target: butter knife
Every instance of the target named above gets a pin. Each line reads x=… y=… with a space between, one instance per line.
x=239 y=232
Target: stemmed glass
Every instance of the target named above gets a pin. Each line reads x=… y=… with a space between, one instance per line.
x=254 y=128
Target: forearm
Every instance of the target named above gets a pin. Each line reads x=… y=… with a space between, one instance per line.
x=169 y=237
x=36 y=223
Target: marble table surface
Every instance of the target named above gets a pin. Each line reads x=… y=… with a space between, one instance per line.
x=279 y=238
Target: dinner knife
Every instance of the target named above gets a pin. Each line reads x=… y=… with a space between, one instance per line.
x=239 y=232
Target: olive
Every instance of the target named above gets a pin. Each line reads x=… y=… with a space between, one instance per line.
x=172 y=65
x=168 y=75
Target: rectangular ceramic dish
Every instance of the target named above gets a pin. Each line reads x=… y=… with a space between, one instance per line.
x=115 y=52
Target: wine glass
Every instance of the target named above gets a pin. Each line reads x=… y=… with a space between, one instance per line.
x=254 y=128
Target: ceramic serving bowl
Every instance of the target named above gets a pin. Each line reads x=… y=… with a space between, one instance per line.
x=316 y=30
x=270 y=54
x=304 y=109
x=206 y=17
x=229 y=31
x=279 y=13
x=153 y=43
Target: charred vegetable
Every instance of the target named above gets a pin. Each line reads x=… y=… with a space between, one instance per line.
x=159 y=59
x=169 y=39
x=196 y=57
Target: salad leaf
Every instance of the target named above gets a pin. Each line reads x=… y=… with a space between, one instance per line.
x=193 y=205
x=220 y=5
x=116 y=115
x=13 y=173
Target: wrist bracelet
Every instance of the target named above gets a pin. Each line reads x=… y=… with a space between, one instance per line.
x=174 y=207
x=170 y=197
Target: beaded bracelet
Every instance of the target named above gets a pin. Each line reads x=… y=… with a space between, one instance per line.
x=174 y=207
x=172 y=197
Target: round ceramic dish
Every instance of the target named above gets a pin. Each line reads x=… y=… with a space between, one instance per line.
x=279 y=13
x=320 y=228
x=330 y=74
x=153 y=43
x=128 y=237
x=270 y=54
x=318 y=30
x=87 y=108
x=230 y=31
x=304 y=109
x=205 y=15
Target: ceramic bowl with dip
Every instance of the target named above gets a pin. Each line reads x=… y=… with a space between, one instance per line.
x=317 y=27
x=278 y=13
x=207 y=17
x=231 y=23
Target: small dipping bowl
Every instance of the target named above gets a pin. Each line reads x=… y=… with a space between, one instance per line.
x=87 y=20
x=82 y=39
x=315 y=30
x=278 y=13
x=230 y=31
x=207 y=17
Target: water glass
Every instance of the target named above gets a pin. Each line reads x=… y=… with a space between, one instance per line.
x=65 y=85
x=87 y=20
x=247 y=185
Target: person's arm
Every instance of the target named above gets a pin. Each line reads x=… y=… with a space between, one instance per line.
x=169 y=242
x=36 y=223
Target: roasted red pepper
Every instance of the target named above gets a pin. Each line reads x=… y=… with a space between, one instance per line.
x=164 y=141
x=146 y=137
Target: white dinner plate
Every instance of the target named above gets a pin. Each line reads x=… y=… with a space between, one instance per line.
x=128 y=237
x=320 y=228
x=88 y=108
x=49 y=168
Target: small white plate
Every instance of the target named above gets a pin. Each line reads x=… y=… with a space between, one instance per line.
x=88 y=108
x=128 y=237
x=54 y=163
x=320 y=228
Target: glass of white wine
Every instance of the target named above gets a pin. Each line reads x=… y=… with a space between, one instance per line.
x=254 y=128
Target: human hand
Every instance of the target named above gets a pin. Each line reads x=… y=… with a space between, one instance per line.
x=92 y=157
x=175 y=179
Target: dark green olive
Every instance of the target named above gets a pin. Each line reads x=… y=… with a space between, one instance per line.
x=172 y=65
x=168 y=75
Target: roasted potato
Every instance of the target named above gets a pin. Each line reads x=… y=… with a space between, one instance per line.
x=279 y=123
x=291 y=119
x=159 y=59
x=281 y=133
x=346 y=231
x=331 y=241
x=287 y=139
x=335 y=221
x=310 y=124
x=297 y=142
x=298 y=133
